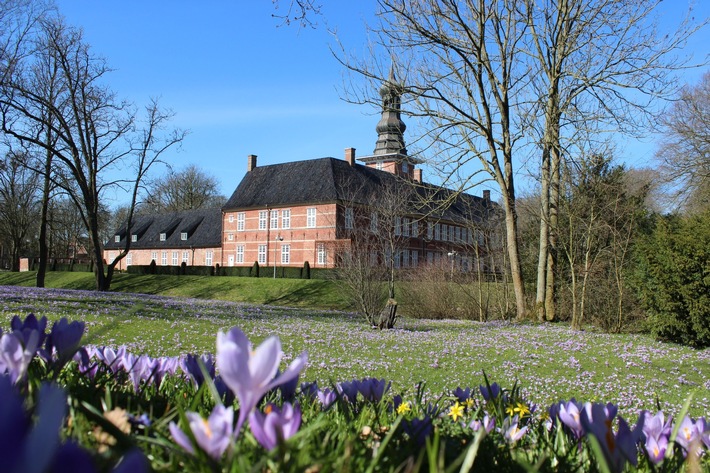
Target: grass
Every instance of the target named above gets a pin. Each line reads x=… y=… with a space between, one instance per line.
x=284 y=292
x=550 y=361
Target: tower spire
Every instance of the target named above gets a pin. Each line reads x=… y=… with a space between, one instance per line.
x=390 y=128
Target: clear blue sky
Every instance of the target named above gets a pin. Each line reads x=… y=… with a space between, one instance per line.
x=242 y=84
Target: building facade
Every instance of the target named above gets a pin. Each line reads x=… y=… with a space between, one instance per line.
x=313 y=210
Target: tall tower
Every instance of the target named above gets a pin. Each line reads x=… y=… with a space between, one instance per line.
x=390 y=128
x=390 y=152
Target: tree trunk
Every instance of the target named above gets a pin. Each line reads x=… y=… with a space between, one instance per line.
x=553 y=228
x=43 y=247
x=516 y=272
x=542 y=259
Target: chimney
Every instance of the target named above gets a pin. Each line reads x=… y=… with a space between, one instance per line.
x=350 y=156
x=251 y=162
x=417 y=175
x=487 y=196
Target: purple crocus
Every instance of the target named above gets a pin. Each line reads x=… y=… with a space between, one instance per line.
x=190 y=365
x=15 y=357
x=656 y=432
x=326 y=397
x=64 y=340
x=512 y=431
x=488 y=423
x=617 y=448
x=688 y=432
x=490 y=392
x=213 y=435
x=373 y=389
x=275 y=425
x=462 y=395
x=251 y=373
x=348 y=390
x=569 y=415
x=24 y=328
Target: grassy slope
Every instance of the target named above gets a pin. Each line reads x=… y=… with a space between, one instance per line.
x=286 y=292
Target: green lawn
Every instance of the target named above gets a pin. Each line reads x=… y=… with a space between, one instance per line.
x=550 y=361
x=286 y=292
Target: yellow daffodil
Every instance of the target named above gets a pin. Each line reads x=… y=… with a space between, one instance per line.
x=521 y=409
x=404 y=408
x=456 y=411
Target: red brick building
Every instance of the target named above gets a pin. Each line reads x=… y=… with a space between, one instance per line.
x=290 y=213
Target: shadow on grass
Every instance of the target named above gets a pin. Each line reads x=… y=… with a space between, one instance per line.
x=302 y=295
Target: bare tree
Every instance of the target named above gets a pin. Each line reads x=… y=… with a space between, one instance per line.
x=92 y=133
x=188 y=189
x=19 y=201
x=298 y=11
x=685 y=149
x=461 y=70
x=594 y=63
x=374 y=224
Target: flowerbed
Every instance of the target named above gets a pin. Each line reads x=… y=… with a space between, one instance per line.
x=102 y=408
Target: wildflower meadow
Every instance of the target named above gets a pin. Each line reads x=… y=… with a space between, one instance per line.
x=119 y=382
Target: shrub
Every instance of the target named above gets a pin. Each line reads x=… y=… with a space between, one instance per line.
x=306 y=274
x=152 y=266
x=255 y=270
x=673 y=280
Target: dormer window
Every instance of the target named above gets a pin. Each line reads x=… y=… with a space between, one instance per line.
x=183 y=236
x=405 y=167
x=162 y=237
x=117 y=239
x=134 y=238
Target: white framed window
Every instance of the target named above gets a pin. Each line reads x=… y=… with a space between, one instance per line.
x=240 y=221
x=405 y=258
x=286 y=218
x=240 y=253
x=129 y=259
x=263 y=216
x=322 y=255
x=429 y=257
x=373 y=222
x=175 y=258
x=183 y=236
x=415 y=228
x=261 y=254
x=285 y=254
x=379 y=165
x=311 y=217
x=405 y=167
x=163 y=236
x=208 y=258
x=398 y=259
x=405 y=226
x=185 y=256
x=230 y=260
x=415 y=258
x=231 y=218
x=117 y=238
x=349 y=218
x=230 y=236
x=274 y=219
x=134 y=238
x=429 y=230
x=164 y=258
x=154 y=256
x=437 y=232
x=397 y=226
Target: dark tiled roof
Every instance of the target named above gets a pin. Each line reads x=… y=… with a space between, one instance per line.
x=328 y=180
x=203 y=226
